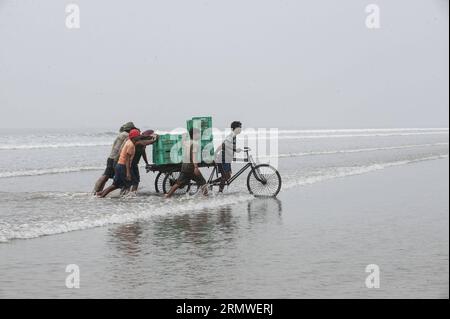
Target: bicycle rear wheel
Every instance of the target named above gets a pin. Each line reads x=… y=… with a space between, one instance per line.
x=170 y=180
x=264 y=180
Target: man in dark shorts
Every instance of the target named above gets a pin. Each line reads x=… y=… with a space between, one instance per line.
x=189 y=168
x=225 y=154
x=148 y=137
x=122 y=177
x=113 y=157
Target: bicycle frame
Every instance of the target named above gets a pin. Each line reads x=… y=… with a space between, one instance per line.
x=214 y=182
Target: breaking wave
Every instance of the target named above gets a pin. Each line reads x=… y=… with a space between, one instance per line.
x=51 y=145
x=8 y=143
x=48 y=171
x=339 y=172
x=361 y=150
x=64 y=170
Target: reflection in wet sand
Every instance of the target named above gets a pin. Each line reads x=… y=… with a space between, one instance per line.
x=128 y=239
x=206 y=230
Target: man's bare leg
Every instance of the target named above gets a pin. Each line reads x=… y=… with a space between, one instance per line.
x=172 y=190
x=107 y=191
x=224 y=178
x=205 y=190
x=100 y=184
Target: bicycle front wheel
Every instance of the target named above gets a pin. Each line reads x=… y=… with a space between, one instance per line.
x=264 y=180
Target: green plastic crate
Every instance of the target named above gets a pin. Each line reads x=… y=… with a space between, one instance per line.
x=164 y=158
x=205 y=123
x=163 y=146
x=206 y=139
x=207 y=152
x=166 y=141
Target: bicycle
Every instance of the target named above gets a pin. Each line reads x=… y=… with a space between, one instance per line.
x=262 y=180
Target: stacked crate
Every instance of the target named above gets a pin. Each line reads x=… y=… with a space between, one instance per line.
x=163 y=147
x=204 y=124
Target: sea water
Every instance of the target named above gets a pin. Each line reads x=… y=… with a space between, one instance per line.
x=46 y=176
x=350 y=198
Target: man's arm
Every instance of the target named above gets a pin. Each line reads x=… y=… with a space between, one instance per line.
x=196 y=170
x=218 y=150
x=194 y=160
x=128 y=166
x=144 y=156
x=147 y=141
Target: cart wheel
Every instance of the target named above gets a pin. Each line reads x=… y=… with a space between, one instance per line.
x=159 y=182
x=193 y=189
x=170 y=180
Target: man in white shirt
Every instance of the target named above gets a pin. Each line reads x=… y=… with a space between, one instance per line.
x=225 y=154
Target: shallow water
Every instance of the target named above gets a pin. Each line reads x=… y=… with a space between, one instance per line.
x=312 y=241
x=46 y=177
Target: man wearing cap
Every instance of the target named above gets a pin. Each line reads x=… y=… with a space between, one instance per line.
x=113 y=157
x=123 y=177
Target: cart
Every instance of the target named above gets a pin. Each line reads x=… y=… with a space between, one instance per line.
x=174 y=171
x=262 y=179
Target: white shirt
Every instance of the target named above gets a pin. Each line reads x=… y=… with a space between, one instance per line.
x=229 y=146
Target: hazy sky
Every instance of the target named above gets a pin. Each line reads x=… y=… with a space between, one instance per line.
x=269 y=63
